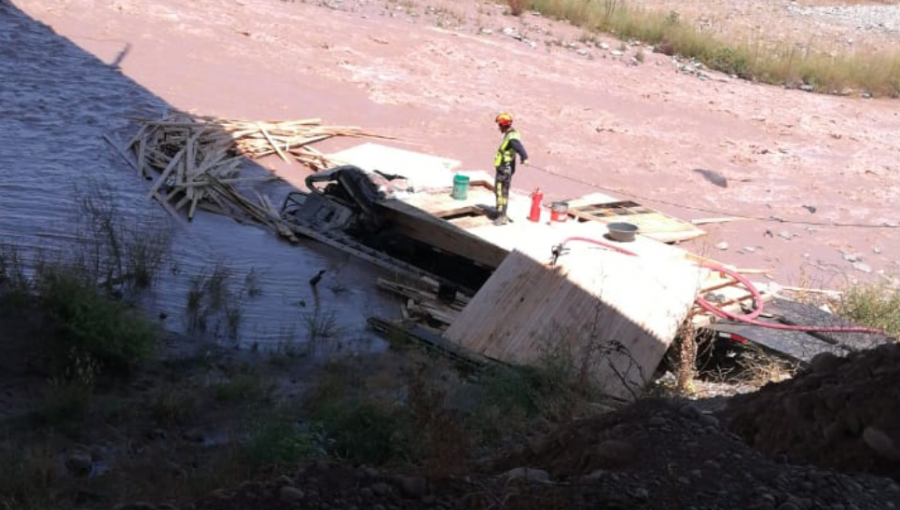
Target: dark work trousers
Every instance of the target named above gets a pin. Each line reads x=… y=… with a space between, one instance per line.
x=502 y=182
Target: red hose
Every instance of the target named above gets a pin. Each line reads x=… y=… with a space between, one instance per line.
x=748 y=318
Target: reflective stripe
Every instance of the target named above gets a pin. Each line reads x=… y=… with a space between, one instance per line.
x=506 y=154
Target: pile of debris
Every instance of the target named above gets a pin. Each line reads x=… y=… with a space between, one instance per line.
x=195 y=161
x=842 y=412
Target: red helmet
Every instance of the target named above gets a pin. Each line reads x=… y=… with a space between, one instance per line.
x=504 y=119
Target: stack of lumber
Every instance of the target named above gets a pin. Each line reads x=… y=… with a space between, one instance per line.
x=423 y=303
x=195 y=161
x=294 y=138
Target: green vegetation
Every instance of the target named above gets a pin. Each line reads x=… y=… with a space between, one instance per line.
x=785 y=64
x=84 y=319
x=278 y=440
x=873 y=305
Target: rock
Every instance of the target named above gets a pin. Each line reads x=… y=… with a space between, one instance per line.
x=412 y=486
x=79 y=463
x=709 y=420
x=527 y=474
x=616 y=53
x=876 y=250
x=864 y=268
x=193 y=436
x=604 y=46
x=807 y=88
x=788 y=506
x=749 y=249
x=593 y=476
x=487 y=31
x=851 y=257
x=722 y=245
x=657 y=421
x=642 y=494
x=615 y=453
x=289 y=494
x=690 y=411
x=381 y=488
x=784 y=234
x=825 y=363
x=220 y=494
x=881 y=443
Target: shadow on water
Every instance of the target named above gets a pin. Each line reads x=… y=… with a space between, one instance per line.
x=57 y=102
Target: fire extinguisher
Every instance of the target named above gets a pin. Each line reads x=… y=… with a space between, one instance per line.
x=536 y=198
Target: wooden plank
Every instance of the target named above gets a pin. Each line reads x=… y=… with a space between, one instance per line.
x=416 y=335
x=421 y=170
x=416 y=224
x=166 y=172
x=654 y=224
x=272 y=142
x=704 y=221
x=614 y=313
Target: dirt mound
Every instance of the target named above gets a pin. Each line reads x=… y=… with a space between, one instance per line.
x=842 y=413
x=655 y=455
x=669 y=454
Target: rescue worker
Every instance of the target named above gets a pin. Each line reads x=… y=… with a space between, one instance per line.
x=505 y=164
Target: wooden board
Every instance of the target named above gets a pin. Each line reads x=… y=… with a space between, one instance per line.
x=421 y=226
x=422 y=171
x=615 y=314
x=652 y=223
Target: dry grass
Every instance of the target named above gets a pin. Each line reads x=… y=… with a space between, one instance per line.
x=873 y=305
x=877 y=73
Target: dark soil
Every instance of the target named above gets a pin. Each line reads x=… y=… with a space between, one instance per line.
x=842 y=413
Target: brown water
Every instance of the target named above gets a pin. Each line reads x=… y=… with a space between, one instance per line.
x=56 y=104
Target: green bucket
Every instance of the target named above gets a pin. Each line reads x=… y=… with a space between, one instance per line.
x=460 y=187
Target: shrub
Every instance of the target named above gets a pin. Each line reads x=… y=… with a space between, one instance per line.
x=82 y=318
x=873 y=305
x=279 y=441
x=729 y=60
x=69 y=395
x=363 y=431
x=173 y=406
x=516 y=7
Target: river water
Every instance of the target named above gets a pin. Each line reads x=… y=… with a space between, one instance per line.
x=56 y=104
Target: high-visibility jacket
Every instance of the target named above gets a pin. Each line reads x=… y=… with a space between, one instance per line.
x=506 y=154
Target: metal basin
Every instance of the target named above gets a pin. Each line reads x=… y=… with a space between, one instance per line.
x=622 y=232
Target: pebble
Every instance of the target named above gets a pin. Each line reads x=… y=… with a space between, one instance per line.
x=722 y=245
x=862 y=267
x=79 y=463
x=381 y=488
x=289 y=494
x=786 y=235
x=851 y=257
x=529 y=474
x=642 y=494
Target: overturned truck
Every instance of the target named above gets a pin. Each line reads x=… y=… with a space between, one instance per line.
x=359 y=211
